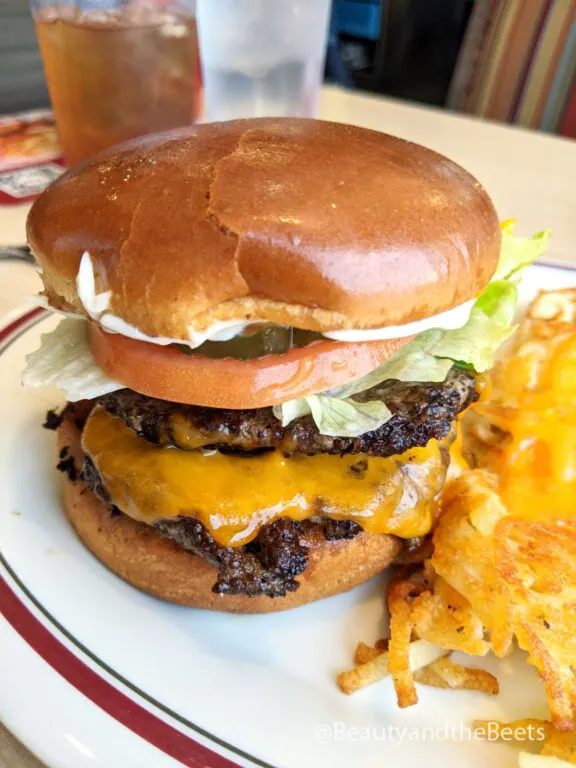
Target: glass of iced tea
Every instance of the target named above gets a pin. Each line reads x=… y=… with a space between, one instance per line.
x=117 y=70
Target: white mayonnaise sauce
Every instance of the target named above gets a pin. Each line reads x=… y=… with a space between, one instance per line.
x=94 y=303
x=223 y=330
x=97 y=304
x=452 y=318
x=220 y=331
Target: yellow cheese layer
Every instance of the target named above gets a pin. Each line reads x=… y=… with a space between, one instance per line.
x=536 y=407
x=235 y=496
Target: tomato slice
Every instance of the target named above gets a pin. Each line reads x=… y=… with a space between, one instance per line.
x=168 y=374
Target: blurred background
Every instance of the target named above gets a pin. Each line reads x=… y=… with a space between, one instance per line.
x=508 y=60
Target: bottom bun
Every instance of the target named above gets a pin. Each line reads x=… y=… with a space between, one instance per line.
x=148 y=560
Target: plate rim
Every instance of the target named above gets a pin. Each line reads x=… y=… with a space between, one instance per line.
x=46 y=643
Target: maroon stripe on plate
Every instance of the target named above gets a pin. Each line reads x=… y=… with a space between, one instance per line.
x=15 y=324
x=115 y=703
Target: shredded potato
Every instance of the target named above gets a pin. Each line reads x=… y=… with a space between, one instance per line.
x=521 y=581
x=503 y=566
x=444 y=673
x=365 y=653
x=370 y=668
x=372 y=664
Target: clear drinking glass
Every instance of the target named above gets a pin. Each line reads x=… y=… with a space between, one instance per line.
x=117 y=70
x=262 y=57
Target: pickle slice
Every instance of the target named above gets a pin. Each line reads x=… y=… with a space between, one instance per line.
x=268 y=340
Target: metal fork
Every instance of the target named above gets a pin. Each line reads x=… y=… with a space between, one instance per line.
x=19 y=253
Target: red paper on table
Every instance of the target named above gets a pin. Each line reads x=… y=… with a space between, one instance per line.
x=30 y=155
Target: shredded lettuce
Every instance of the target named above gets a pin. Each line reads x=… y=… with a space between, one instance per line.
x=64 y=361
x=430 y=356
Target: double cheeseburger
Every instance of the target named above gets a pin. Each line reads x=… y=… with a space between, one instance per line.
x=238 y=292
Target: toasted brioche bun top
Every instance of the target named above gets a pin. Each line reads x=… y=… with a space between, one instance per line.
x=300 y=222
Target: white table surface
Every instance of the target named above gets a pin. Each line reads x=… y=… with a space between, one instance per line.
x=530 y=176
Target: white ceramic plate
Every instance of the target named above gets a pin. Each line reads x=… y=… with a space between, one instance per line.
x=95 y=673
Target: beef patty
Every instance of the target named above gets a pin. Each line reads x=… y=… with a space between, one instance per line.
x=420 y=412
x=266 y=566
x=269 y=564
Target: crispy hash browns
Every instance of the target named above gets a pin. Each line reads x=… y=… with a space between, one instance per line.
x=535 y=378
x=496 y=574
x=503 y=568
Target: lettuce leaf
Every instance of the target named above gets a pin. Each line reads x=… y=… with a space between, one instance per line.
x=347 y=418
x=64 y=360
x=518 y=252
x=336 y=417
x=489 y=325
x=413 y=362
x=292 y=409
x=430 y=356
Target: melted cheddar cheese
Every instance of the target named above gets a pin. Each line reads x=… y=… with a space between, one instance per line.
x=534 y=404
x=235 y=496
